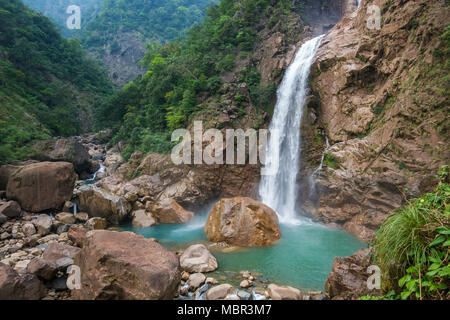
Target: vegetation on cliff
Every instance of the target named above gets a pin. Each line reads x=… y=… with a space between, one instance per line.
x=47 y=85
x=412 y=246
x=183 y=75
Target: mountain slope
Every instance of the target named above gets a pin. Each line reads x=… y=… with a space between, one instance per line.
x=47 y=85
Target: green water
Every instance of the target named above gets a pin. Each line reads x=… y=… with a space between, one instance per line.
x=302 y=258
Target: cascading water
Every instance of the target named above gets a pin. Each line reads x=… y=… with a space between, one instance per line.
x=278 y=189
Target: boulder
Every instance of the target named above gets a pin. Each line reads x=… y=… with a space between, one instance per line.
x=242 y=222
x=283 y=293
x=100 y=203
x=15 y=286
x=220 y=292
x=96 y=224
x=66 y=218
x=42 y=186
x=43 y=224
x=126 y=266
x=68 y=150
x=197 y=258
x=142 y=219
x=10 y=209
x=348 y=277
x=169 y=211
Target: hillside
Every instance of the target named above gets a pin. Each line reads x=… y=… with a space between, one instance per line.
x=47 y=85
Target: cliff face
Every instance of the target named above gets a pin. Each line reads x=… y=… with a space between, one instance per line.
x=381 y=98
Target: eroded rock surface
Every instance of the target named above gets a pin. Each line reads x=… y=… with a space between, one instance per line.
x=242 y=222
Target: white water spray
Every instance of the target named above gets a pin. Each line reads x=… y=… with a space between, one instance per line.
x=279 y=190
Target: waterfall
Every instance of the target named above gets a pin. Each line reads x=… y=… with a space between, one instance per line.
x=279 y=189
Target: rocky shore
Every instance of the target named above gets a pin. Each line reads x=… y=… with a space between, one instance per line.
x=55 y=227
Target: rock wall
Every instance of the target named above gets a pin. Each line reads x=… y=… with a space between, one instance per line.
x=381 y=99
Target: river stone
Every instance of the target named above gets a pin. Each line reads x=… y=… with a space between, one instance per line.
x=43 y=223
x=96 y=224
x=244 y=295
x=15 y=286
x=28 y=229
x=197 y=258
x=102 y=204
x=126 y=266
x=10 y=209
x=142 y=219
x=196 y=280
x=82 y=217
x=242 y=222
x=219 y=292
x=42 y=186
x=66 y=218
x=283 y=293
x=169 y=211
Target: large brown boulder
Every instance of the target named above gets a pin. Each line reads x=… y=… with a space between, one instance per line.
x=69 y=150
x=42 y=186
x=242 y=222
x=169 y=211
x=348 y=277
x=14 y=286
x=102 y=204
x=125 y=266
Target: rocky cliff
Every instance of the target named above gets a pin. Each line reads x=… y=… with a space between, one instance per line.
x=381 y=98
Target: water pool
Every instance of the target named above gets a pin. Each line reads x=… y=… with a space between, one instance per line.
x=302 y=258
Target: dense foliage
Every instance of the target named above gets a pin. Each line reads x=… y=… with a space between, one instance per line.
x=157 y=20
x=45 y=81
x=412 y=246
x=182 y=75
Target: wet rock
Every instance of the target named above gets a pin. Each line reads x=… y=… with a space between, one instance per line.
x=245 y=284
x=196 y=280
x=243 y=222
x=111 y=270
x=219 y=292
x=96 y=224
x=283 y=293
x=244 y=295
x=210 y=280
x=169 y=211
x=197 y=258
x=68 y=207
x=102 y=204
x=142 y=219
x=63 y=229
x=348 y=277
x=10 y=209
x=42 y=186
x=14 y=286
